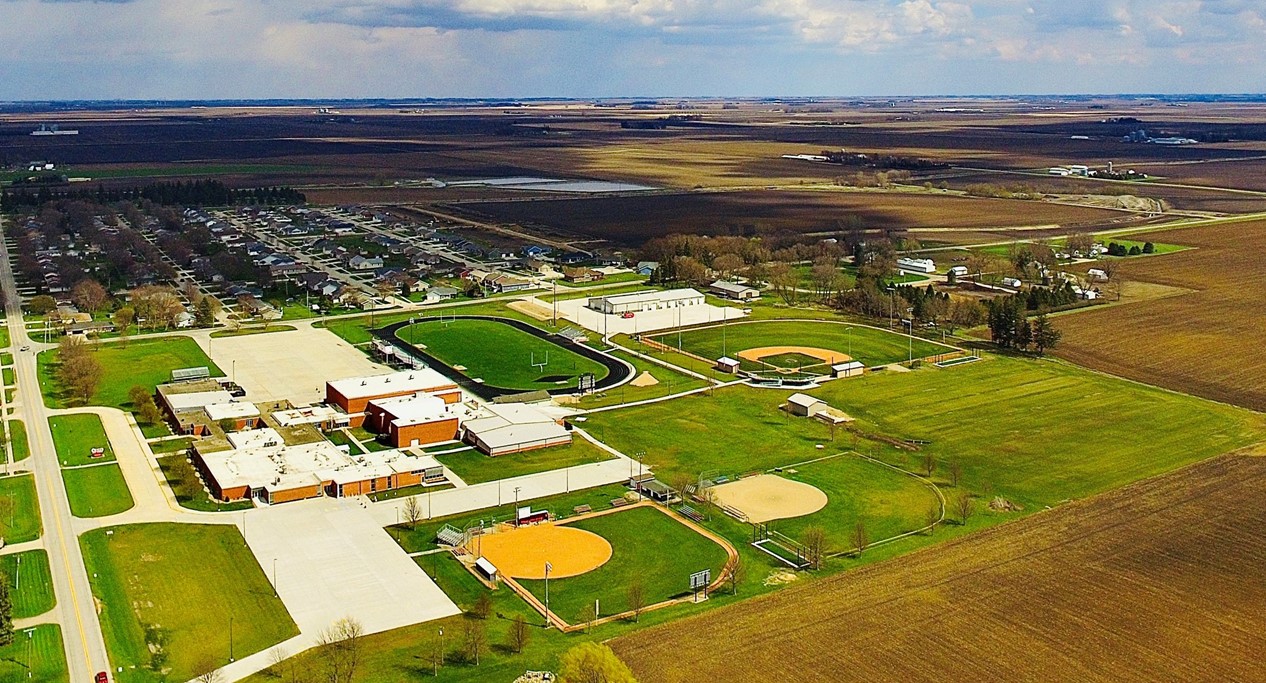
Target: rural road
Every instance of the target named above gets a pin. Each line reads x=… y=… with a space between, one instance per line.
x=75 y=611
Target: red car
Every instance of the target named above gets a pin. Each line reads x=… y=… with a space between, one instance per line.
x=626 y=315
x=101 y=677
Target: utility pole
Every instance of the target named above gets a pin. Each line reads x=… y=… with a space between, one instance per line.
x=910 y=337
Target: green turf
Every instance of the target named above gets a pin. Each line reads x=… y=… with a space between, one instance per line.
x=9 y=377
x=338 y=438
x=74 y=437
x=670 y=382
x=885 y=501
x=1041 y=431
x=646 y=545
x=19 y=445
x=6 y=358
x=19 y=509
x=30 y=583
x=170 y=446
x=501 y=355
x=188 y=489
x=145 y=362
x=4 y=336
x=474 y=467
x=189 y=580
x=670 y=356
x=36 y=655
x=867 y=344
x=97 y=490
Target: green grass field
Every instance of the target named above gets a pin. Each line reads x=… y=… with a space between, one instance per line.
x=10 y=379
x=19 y=509
x=669 y=382
x=866 y=344
x=4 y=335
x=74 y=437
x=30 y=583
x=501 y=355
x=36 y=655
x=97 y=491
x=188 y=580
x=147 y=362
x=19 y=445
x=188 y=489
x=474 y=467
x=647 y=545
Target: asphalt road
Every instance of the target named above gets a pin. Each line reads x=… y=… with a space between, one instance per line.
x=75 y=611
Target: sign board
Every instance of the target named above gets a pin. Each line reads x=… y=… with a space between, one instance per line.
x=700 y=580
x=588 y=383
x=524 y=512
x=98 y=452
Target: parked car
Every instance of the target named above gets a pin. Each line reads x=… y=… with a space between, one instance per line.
x=101 y=677
x=626 y=315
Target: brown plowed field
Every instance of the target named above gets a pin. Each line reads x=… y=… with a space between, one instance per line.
x=1211 y=342
x=1158 y=581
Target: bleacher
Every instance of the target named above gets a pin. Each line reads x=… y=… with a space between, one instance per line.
x=690 y=513
x=450 y=536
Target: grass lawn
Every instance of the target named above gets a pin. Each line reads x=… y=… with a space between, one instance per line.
x=368 y=439
x=6 y=358
x=36 y=655
x=19 y=445
x=75 y=436
x=501 y=355
x=474 y=467
x=886 y=502
x=867 y=344
x=97 y=491
x=579 y=293
x=4 y=336
x=187 y=487
x=19 y=510
x=671 y=356
x=338 y=438
x=9 y=377
x=147 y=362
x=170 y=446
x=186 y=579
x=647 y=545
x=30 y=583
x=245 y=331
x=670 y=382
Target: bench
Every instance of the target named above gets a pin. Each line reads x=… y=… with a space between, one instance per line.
x=687 y=511
x=582 y=509
x=618 y=502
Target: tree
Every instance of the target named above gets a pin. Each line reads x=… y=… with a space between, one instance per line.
x=1045 y=336
x=475 y=639
x=735 y=573
x=932 y=516
x=929 y=463
x=1149 y=248
x=860 y=537
x=727 y=264
x=78 y=370
x=89 y=295
x=1080 y=243
x=519 y=634
x=965 y=313
x=635 y=595
x=955 y=470
x=206 y=310
x=593 y=663
x=815 y=543
x=41 y=305
x=412 y=511
x=482 y=607
x=6 y=612
x=964 y=507
x=588 y=615
x=206 y=671
x=783 y=280
x=690 y=270
x=339 y=649
x=143 y=404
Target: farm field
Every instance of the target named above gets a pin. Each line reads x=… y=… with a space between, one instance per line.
x=189 y=579
x=866 y=344
x=145 y=362
x=633 y=220
x=1205 y=342
x=1064 y=597
x=36 y=655
x=647 y=545
x=500 y=355
x=19 y=509
x=97 y=490
x=75 y=436
x=474 y=467
x=30 y=584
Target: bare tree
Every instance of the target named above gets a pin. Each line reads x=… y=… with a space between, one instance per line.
x=89 y=295
x=1079 y=243
x=815 y=542
x=964 y=506
x=475 y=637
x=279 y=663
x=206 y=671
x=339 y=648
x=519 y=633
x=412 y=511
x=482 y=607
x=587 y=616
x=955 y=470
x=635 y=594
x=735 y=573
x=860 y=538
x=929 y=463
x=932 y=516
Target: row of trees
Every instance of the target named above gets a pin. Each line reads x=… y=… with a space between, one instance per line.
x=78 y=369
x=1010 y=329
x=178 y=193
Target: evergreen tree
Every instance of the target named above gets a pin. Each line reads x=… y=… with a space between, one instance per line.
x=6 y=612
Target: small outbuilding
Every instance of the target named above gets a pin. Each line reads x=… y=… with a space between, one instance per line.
x=805 y=405
x=850 y=369
x=727 y=365
x=733 y=290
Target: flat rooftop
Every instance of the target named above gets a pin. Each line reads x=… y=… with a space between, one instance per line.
x=420 y=380
x=651 y=295
x=420 y=409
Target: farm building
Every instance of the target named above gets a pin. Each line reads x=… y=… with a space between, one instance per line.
x=850 y=369
x=354 y=393
x=727 y=364
x=646 y=301
x=733 y=290
x=805 y=405
x=261 y=466
x=416 y=420
x=514 y=428
x=916 y=265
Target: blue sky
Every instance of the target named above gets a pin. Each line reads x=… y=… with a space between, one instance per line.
x=63 y=49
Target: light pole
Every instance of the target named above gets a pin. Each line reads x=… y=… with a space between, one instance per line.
x=231 y=658
x=850 y=342
x=516 y=501
x=275 y=576
x=891 y=302
x=441 y=646
x=910 y=337
x=548 y=567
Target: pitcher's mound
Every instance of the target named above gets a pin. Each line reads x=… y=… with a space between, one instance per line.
x=523 y=552
x=767 y=496
x=646 y=379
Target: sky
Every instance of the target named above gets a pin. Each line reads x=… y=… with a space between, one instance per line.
x=231 y=49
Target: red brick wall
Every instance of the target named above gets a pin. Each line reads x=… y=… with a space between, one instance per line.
x=431 y=432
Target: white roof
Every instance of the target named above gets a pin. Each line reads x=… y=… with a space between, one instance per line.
x=515 y=423
x=234 y=410
x=419 y=380
x=255 y=438
x=726 y=285
x=198 y=399
x=804 y=400
x=419 y=409
x=851 y=365
x=726 y=360
x=281 y=467
x=653 y=295
x=308 y=415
